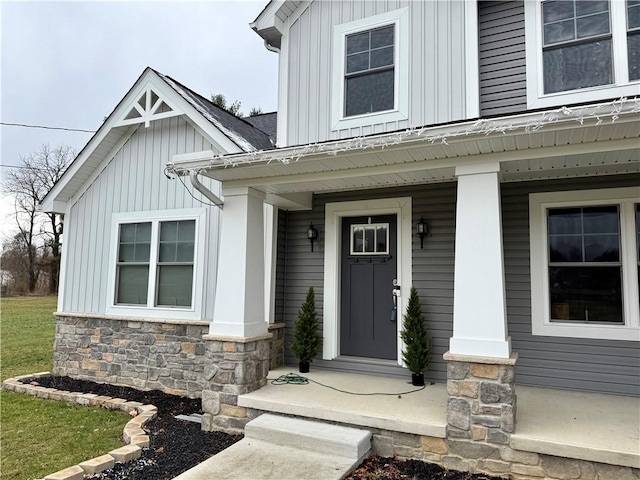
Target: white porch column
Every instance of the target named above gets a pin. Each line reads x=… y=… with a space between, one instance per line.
x=239 y=308
x=479 y=308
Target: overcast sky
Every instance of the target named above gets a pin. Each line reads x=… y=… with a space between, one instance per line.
x=67 y=64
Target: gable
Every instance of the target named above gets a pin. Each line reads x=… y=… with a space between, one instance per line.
x=152 y=98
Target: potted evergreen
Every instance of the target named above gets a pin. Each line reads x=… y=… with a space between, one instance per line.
x=306 y=345
x=416 y=353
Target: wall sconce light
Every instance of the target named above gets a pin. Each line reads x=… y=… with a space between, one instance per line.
x=312 y=234
x=422 y=229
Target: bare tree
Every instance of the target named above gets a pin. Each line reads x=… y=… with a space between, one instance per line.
x=36 y=175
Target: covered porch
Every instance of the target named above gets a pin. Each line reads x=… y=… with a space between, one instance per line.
x=560 y=423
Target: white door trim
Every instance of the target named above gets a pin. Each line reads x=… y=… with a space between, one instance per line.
x=333 y=224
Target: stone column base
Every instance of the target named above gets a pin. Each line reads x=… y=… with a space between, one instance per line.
x=482 y=399
x=233 y=366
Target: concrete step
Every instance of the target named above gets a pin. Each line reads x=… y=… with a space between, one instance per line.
x=285 y=448
x=251 y=459
x=309 y=435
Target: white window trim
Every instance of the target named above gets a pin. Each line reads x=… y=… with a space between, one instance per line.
x=535 y=75
x=194 y=312
x=334 y=212
x=399 y=18
x=626 y=198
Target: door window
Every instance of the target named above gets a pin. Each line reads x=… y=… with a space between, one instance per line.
x=370 y=239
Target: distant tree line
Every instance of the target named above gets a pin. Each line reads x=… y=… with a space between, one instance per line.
x=30 y=259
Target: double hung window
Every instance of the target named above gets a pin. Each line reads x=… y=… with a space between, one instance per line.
x=155 y=262
x=585 y=269
x=581 y=50
x=369 y=77
x=585 y=263
x=577 y=46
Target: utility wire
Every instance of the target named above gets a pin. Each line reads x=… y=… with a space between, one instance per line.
x=23 y=168
x=46 y=127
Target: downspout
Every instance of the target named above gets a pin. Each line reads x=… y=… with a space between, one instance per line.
x=193 y=176
x=270 y=47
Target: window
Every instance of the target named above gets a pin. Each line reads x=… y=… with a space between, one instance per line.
x=581 y=50
x=633 y=38
x=370 y=70
x=585 y=272
x=370 y=239
x=577 y=44
x=155 y=263
x=585 y=264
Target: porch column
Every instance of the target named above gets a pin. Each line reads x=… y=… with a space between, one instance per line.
x=239 y=307
x=479 y=308
x=480 y=367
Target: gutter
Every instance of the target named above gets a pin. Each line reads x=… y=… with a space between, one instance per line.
x=442 y=134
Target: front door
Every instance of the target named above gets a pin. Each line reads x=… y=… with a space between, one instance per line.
x=368 y=268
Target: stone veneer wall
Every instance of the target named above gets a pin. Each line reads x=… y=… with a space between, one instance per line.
x=276 y=346
x=176 y=357
x=482 y=398
x=238 y=366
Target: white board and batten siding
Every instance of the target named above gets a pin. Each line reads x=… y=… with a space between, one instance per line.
x=436 y=66
x=133 y=181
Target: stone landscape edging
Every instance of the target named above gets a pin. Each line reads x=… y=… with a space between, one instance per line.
x=133 y=434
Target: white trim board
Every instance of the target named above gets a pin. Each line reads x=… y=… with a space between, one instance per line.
x=334 y=212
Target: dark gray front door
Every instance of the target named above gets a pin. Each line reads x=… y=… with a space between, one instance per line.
x=369 y=266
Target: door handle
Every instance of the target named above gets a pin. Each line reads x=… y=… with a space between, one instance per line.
x=395 y=293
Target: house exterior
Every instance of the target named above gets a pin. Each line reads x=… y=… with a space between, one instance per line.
x=510 y=129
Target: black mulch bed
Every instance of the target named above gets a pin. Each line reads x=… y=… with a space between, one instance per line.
x=174 y=445
x=178 y=445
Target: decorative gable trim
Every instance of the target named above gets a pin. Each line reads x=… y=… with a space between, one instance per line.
x=149 y=107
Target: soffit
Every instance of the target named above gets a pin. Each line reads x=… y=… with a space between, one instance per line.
x=546 y=153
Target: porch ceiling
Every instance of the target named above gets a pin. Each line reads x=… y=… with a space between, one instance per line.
x=526 y=147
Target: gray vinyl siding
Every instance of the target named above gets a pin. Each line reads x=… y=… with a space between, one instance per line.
x=436 y=71
x=607 y=366
x=133 y=181
x=281 y=258
x=579 y=364
x=502 y=61
x=432 y=269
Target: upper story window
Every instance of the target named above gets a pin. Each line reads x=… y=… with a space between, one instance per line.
x=581 y=50
x=370 y=71
x=369 y=78
x=156 y=256
x=585 y=264
x=633 y=38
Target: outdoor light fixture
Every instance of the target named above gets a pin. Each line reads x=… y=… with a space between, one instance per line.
x=422 y=228
x=312 y=234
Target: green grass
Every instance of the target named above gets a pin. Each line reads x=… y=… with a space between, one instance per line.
x=38 y=436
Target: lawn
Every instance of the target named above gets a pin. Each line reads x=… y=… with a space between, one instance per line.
x=38 y=436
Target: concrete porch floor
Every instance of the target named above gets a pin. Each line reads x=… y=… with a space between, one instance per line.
x=421 y=413
x=587 y=426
